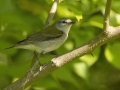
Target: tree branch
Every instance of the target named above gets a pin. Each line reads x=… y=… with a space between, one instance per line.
x=110 y=33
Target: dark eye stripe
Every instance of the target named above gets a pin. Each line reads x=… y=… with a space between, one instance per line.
x=64 y=22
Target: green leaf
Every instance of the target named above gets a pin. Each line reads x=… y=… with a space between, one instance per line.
x=81 y=70
x=65 y=74
x=62 y=9
x=78 y=17
x=112 y=54
x=96 y=21
x=3 y=59
x=49 y=1
x=89 y=59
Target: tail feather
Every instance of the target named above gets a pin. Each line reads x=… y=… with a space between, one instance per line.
x=20 y=42
x=9 y=47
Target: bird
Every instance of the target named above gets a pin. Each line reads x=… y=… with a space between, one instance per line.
x=48 y=39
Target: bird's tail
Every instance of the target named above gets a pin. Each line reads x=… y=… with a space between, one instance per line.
x=9 y=47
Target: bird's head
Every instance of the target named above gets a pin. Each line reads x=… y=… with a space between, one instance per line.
x=63 y=24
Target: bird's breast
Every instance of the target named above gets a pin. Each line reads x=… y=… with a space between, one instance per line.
x=51 y=45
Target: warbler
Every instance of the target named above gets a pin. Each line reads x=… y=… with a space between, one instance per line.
x=48 y=39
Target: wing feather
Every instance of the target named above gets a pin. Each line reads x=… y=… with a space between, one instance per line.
x=44 y=35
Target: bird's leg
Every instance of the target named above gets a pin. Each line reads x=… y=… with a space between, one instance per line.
x=43 y=52
x=36 y=54
x=48 y=54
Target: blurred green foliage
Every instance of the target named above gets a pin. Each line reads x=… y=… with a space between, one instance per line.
x=20 y=18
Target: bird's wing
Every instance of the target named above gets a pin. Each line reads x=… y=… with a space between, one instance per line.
x=44 y=35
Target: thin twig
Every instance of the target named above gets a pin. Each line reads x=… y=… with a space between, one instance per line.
x=107 y=14
x=51 y=13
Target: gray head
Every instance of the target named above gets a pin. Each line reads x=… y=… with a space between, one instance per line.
x=63 y=24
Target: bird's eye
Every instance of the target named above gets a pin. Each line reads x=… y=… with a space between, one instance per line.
x=64 y=22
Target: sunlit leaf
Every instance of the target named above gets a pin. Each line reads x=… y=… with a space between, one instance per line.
x=81 y=70
x=67 y=13
x=112 y=54
x=78 y=17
